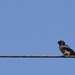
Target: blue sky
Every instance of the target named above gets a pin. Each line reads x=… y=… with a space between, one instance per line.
x=33 y=27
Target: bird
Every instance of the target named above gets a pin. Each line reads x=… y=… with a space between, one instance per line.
x=65 y=49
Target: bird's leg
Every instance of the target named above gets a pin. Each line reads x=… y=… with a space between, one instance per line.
x=63 y=56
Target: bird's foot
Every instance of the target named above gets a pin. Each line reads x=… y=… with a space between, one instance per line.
x=63 y=56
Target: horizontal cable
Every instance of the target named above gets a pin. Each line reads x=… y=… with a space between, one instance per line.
x=34 y=56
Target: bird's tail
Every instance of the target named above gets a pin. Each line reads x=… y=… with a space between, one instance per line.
x=72 y=53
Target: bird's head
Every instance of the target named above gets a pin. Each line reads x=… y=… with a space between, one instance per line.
x=61 y=42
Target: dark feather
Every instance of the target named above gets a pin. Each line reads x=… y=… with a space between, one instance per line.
x=65 y=49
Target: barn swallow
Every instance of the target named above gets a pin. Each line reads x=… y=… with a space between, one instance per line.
x=65 y=49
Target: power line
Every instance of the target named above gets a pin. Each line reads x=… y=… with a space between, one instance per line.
x=32 y=56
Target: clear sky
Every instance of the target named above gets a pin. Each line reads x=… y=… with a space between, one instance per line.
x=33 y=27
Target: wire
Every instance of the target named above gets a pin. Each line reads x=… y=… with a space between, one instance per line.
x=31 y=56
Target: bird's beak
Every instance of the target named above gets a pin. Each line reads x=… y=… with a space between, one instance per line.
x=57 y=42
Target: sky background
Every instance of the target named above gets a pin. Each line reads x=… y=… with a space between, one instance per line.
x=33 y=27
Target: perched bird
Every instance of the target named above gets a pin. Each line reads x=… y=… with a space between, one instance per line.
x=65 y=49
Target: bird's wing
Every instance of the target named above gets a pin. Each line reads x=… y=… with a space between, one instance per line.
x=67 y=48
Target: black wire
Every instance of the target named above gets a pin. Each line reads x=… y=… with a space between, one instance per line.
x=31 y=56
